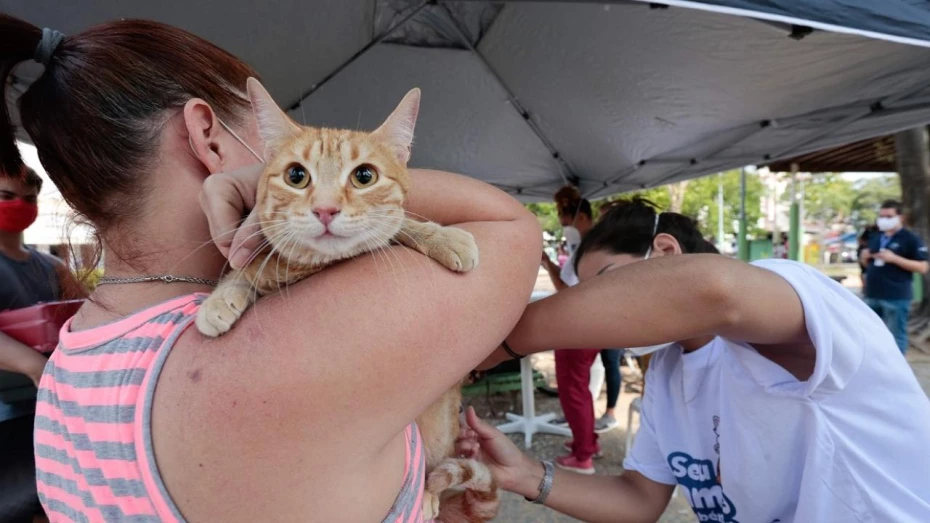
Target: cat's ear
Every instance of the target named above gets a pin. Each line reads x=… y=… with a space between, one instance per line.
x=274 y=126
x=397 y=130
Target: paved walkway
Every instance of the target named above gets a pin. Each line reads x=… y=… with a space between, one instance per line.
x=515 y=509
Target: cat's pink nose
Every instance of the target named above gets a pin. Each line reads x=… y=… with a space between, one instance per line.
x=326 y=214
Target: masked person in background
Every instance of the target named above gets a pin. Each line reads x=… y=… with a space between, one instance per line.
x=579 y=373
x=27 y=277
x=894 y=254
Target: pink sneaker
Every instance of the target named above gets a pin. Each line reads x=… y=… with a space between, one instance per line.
x=573 y=464
x=598 y=454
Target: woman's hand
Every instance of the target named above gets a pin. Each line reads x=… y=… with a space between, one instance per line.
x=225 y=198
x=513 y=470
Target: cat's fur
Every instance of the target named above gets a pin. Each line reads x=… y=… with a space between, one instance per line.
x=331 y=218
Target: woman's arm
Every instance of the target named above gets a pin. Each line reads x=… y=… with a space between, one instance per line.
x=666 y=299
x=382 y=336
x=22 y=359
x=627 y=498
x=630 y=497
x=555 y=273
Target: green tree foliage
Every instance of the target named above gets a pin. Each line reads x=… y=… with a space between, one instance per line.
x=868 y=195
x=546 y=214
x=700 y=203
x=828 y=198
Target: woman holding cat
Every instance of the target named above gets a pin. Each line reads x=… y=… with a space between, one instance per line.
x=773 y=405
x=305 y=407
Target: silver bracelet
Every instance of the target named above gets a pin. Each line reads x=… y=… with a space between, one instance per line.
x=545 y=486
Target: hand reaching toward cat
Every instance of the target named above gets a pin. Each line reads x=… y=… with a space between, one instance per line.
x=509 y=466
x=225 y=198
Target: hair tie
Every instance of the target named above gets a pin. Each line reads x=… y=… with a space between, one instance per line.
x=50 y=41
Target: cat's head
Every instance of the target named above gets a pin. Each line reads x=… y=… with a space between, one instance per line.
x=330 y=194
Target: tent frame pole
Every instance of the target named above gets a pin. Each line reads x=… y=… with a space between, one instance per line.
x=566 y=172
x=358 y=54
x=742 y=244
x=794 y=225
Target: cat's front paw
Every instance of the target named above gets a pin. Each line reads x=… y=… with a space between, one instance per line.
x=430 y=506
x=220 y=311
x=455 y=249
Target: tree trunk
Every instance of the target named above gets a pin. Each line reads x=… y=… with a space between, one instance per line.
x=676 y=196
x=913 y=158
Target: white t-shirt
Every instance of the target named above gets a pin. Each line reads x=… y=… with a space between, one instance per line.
x=751 y=444
x=567 y=273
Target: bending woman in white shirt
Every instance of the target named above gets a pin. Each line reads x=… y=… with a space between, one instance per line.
x=784 y=399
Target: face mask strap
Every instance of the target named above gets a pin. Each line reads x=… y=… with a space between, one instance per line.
x=655 y=230
x=234 y=135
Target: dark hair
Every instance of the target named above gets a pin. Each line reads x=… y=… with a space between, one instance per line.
x=892 y=204
x=568 y=202
x=28 y=176
x=573 y=208
x=96 y=112
x=628 y=229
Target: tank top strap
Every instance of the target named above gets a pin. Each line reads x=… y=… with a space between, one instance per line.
x=408 y=507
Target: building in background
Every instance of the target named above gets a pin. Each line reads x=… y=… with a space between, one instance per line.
x=55 y=231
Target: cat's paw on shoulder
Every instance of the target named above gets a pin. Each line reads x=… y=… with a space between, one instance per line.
x=457 y=251
x=220 y=311
x=213 y=318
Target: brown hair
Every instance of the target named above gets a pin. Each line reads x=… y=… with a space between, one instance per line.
x=96 y=112
x=568 y=202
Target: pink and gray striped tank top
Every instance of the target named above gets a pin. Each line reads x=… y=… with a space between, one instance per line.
x=93 y=438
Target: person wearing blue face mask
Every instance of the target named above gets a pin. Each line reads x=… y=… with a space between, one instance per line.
x=762 y=409
x=892 y=257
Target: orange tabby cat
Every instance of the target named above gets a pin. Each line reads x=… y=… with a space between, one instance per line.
x=327 y=195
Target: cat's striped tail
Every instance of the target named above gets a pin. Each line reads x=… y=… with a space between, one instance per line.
x=467 y=491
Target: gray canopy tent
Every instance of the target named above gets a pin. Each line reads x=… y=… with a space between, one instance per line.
x=610 y=95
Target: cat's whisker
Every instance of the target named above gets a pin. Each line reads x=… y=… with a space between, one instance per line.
x=377 y=244
x=268 y=256
x=374 y=247
x=260 y=271
x=415 y=215
x=303 y=115
x=206 y=244
x=431 y=266
x=384 y=240
x=257 y=252
x=381 y=249
x=287 y=265
x=371 y=250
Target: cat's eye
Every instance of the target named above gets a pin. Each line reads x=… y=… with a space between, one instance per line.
x=364 y=176
x=296 y=176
